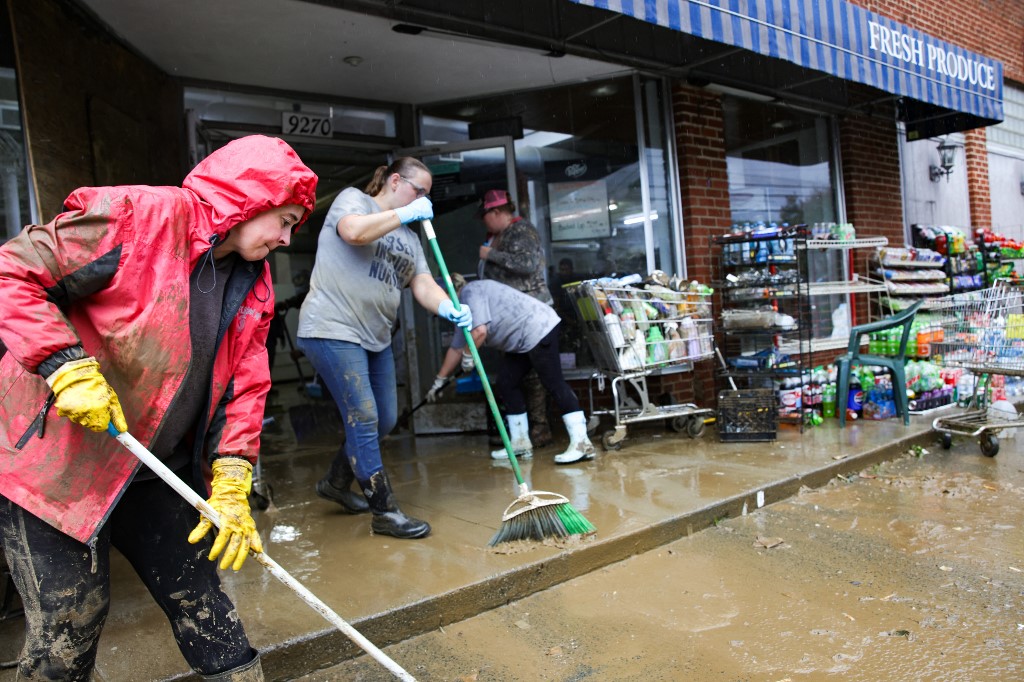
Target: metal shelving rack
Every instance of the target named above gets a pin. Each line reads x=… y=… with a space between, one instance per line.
x=764 y=308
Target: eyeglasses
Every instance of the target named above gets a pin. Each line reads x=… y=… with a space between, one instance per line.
x=420 y=191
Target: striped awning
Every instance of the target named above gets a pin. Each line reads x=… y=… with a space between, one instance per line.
x=840 y=39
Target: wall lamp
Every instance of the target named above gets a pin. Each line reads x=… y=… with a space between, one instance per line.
x=947 y=153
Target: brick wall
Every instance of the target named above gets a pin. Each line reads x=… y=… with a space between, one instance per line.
x=871 y=176
x=704 y=192
x=95 y=113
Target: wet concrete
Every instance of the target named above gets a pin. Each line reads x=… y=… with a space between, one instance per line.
x=656 y=490
x=911 y=570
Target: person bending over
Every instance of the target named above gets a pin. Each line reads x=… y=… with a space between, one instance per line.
x=527 y=331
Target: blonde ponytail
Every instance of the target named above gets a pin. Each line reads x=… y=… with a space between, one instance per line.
x=404 y=166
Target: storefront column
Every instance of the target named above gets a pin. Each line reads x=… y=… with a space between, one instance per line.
x=976 y=160
x=703 y=177
x=704 y=194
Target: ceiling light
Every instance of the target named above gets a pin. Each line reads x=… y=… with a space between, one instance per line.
x=605 y=90
x=353 y=60
x=639 y=218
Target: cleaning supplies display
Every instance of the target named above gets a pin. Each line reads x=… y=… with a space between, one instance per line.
x=645 y=322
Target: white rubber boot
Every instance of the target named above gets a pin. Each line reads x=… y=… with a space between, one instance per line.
x=580 y=448
x=519 y=437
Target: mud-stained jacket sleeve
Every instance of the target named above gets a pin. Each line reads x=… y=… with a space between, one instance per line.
x=47 y=268
x=238 y=417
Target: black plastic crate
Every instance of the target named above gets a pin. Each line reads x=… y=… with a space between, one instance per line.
x=747 y=415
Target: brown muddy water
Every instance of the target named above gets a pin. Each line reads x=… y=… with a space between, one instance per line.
x=912 y=570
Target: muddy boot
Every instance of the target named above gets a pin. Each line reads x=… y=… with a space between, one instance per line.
x=518 y=436
x=250 y=672
x=537 y=409
x=388 y=519
x=336 y=486
x=580 y=448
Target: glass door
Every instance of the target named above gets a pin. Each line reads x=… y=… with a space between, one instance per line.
x=462 y=172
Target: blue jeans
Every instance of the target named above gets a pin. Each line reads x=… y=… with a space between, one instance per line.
x=363 y=386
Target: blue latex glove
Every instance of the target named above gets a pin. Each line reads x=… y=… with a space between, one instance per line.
x=462 y=317
x=419 y=209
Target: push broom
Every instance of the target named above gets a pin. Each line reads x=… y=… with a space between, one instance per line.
x=169 y=477
x=534 y=515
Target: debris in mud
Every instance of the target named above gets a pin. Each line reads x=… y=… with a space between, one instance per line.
x=555 y=651
x=522 y=625
x=767 y=543
x=897 y=633
x=472 y=677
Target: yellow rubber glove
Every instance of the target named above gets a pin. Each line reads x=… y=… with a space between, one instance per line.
x=232 y=482
x=85 y=397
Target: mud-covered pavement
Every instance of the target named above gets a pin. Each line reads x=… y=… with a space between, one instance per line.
x=910 y=570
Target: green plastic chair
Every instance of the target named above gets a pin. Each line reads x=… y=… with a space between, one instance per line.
x=853 y=356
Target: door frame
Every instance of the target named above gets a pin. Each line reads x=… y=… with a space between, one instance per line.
x=439 y=417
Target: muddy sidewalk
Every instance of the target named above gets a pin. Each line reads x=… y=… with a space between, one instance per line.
x=654 y=491
x=910 y=570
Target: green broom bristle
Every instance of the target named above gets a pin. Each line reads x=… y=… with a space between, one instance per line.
x=575 y=523
x=558 y=521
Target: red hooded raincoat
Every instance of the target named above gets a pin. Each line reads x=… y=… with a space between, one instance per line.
x=111 y=274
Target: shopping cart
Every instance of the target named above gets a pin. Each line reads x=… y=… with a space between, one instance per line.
x=983 y=333
x=634 y=333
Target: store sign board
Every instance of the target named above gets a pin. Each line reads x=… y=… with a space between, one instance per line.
x=578 y=199
x=840 y=39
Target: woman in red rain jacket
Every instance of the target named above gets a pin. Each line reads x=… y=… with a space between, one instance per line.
x=145 y=307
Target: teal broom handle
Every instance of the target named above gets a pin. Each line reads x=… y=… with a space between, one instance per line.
x=428 y=228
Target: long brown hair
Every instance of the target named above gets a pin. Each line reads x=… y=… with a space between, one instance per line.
x=404 y=166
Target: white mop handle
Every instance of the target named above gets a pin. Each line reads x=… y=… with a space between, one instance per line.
x=168 y=476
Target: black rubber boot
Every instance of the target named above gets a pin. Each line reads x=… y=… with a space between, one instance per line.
x=388 y=519
x=336 y=486
x=250 y=672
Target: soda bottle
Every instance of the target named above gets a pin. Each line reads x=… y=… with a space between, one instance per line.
x=923 y=342
x=874 y=347
x=828 y=400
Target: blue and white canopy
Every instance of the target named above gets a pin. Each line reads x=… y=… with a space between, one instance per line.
x=840 y=39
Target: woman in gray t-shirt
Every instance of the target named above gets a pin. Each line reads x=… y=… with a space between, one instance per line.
x=365 y=256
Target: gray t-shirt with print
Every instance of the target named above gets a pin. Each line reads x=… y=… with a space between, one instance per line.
x=516 y=322
x=355 y=291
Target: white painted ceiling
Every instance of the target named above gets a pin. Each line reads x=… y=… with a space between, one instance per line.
x=301 y=46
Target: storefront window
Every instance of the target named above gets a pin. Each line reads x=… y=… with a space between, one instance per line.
x=781 y=170
x=580 y=181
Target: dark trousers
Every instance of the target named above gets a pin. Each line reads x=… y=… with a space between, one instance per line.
x=66 y=595
x=545 y=360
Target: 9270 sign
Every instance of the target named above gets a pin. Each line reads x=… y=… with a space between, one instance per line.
x=296 y=123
